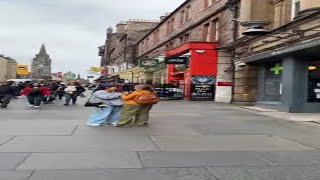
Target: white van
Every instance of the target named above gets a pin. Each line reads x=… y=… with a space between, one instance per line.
x=20 y=80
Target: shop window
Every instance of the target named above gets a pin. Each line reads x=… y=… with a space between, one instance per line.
x=314 y=82
x=295 y=8
x=272 y=82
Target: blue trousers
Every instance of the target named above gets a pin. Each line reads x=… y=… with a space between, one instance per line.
x=35 y=100
x=105 y=115
x=70 y=97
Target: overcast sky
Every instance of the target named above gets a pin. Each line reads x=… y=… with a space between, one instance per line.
x=71 y=29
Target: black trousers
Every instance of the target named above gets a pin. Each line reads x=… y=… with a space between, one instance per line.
x=5 y=99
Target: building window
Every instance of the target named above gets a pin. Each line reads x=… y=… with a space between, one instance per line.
x=295 y=8
x=188 y=12
x=208 y=3
x=182 y=16
x=181 y=41
x=211 y=31
x=172 y=25
x=206 y=32
x=273 y=82
x=314 y=82
x=168 y=26
x=147 y=43
x=186 y=38
x=215 y=28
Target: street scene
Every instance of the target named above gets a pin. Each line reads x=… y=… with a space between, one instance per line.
x=161 y=90
x=195 y=140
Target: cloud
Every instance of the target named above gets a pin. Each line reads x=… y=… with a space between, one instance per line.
x=71 y=29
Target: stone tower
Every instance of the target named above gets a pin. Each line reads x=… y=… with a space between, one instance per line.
x=41 y=65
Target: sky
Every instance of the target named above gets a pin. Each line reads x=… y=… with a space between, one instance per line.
x=71 y=29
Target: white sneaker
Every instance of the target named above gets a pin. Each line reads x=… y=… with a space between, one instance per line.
x=94 y=125
x=31 y=105
x=36 y=107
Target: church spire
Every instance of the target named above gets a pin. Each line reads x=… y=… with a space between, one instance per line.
x=43 y=50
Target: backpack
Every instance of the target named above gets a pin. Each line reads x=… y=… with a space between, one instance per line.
x=34 y=91
x=146 y=99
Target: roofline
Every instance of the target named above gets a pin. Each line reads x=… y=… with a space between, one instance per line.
x=168 y=17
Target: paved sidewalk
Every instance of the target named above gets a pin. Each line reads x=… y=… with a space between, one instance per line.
x=299 y=117
x=185 y=141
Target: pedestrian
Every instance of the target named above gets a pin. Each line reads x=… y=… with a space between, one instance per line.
x=109 y=111
x=61 y=88
x=53 y=87
x=136 y=107
x=6 y=94
x=72 y=91
x=35 y=94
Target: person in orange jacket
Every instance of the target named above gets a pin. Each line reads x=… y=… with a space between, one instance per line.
x=35 y=94
x=133 y=113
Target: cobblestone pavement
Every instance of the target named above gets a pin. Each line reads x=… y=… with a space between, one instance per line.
x=185 y=141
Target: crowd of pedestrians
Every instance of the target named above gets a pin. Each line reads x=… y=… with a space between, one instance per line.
x=39 y=93
x=113 y=106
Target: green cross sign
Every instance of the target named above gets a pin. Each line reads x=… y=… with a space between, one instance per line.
x=277 y=69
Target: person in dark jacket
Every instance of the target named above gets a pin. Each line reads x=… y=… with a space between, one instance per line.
x=61 y=88
x=6 y=93
x=72 y=91
x=53 y=86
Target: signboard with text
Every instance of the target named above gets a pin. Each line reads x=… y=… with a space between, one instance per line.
x=202 y=87
x=176 y=60
x=22 y=69
x=147 y=63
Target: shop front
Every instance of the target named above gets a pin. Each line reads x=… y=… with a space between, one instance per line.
x=193 y=66
x=289 y=77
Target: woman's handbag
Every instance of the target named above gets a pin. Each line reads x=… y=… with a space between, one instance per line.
x=90 y=104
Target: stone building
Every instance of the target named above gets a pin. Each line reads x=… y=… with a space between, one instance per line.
x=41 y=65
x=119 y=51
x=7 y=68
x=280 y=70
x=200 y=21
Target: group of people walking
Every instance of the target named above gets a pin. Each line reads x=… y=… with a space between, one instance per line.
x=122 y=109
x=38 y=93
x=112 y=107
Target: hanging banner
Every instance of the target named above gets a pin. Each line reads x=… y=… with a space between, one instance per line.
x=22 y=69
x=147 y=63
x=96 y=69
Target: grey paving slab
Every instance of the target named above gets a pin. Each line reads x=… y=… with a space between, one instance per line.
x=81 y=161
x=10 y=161
x=200 y=159
x=292 y=157
x=78 y=144
x=311 y=140
x=15 y=175
x=130 y=174
x=4 y=139
x=267 y=173
x=225 y=143
x=36 y=127
x=84 y=130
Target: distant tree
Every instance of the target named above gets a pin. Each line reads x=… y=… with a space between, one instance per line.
x=79 y=76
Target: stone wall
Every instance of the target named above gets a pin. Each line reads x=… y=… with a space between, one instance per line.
x=121 y=45
x=7 y=69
